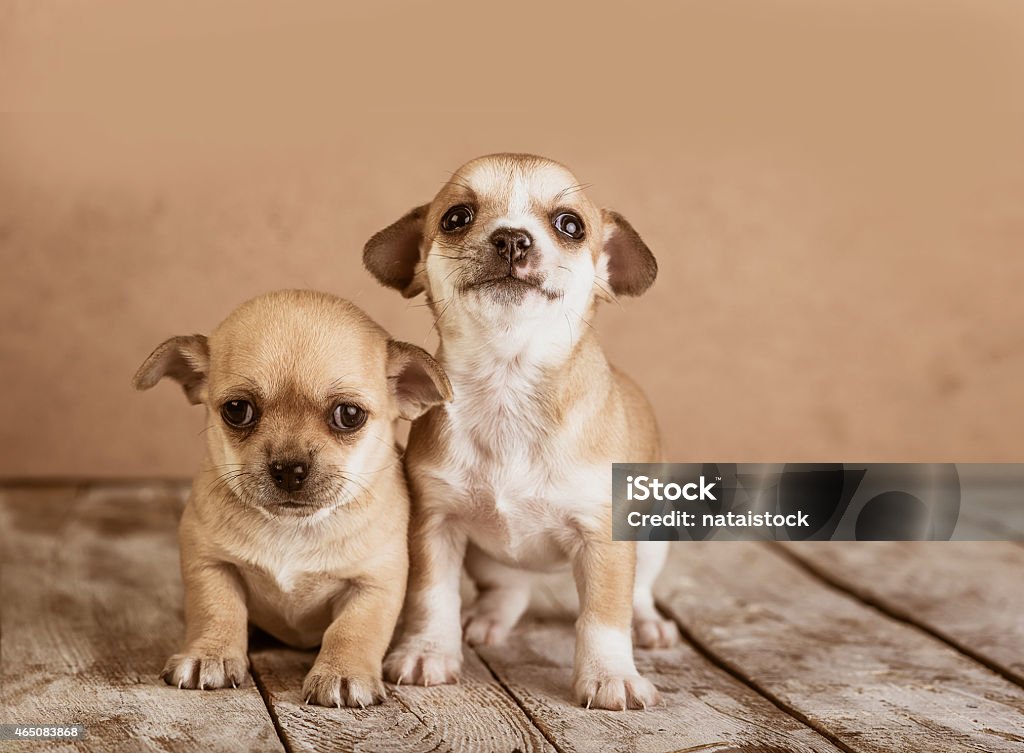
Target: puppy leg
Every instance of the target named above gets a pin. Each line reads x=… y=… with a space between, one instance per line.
x=216 y=629
x=604 y=675
x=429 y=651
x=650 y=629
x=347 y=672
x=504 y=596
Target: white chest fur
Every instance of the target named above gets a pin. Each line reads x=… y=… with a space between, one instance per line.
x=520 y=481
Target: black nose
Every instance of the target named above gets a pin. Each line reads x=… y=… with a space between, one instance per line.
x=513 y=244
x=288 y=474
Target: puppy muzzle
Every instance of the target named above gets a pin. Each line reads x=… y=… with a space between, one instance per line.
x=512 y=244
x=288 y=475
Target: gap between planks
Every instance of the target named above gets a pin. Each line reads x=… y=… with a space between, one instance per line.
x=882 y=606
x=261 y=686
x=504 y=686
x=704 y=650
x=744 y=613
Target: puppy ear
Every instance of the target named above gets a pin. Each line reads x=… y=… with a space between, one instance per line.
x=417 y=380
x=631 y=265
x=186 y=360
x=393 y=254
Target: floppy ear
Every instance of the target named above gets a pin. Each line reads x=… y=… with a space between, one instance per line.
x=631 y=265
x=393 y=254
x=186 y=360
x=417 y=381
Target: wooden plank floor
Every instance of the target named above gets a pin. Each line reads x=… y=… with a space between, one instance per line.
x=821 y=647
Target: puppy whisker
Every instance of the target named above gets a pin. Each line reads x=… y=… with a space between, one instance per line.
x=224 y=480
x=581 y=318
x=343 y=381
x=453 y=180
x=222 y=465
x=456 y=269
x=389 y=466
x=571 y=190
x=569 y=325
x=425 y=304
x=437 y=319
x=605 y=285
x=248 y=381
x=455 y=246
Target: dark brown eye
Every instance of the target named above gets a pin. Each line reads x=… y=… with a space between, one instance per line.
x=238 y=413
x=569 y=224
x=348 y=417
x=457 y=218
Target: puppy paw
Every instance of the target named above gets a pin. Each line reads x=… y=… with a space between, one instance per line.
x=655 y=633
x=615 y=692
x=205 y=671
x=485 y=629
x=422 y=663
x=325 y=687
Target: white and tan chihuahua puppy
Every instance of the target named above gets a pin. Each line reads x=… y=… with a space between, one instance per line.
x=514 y=475
x=297 y=521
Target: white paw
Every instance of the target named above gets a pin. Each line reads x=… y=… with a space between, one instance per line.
x=485 y=629
x=205 y=671
x=422 y=662
x=615 y=692
x=655 y=633
x=326 y=687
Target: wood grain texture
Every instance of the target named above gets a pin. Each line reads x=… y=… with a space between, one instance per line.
x=970 y=594
x=703 y=708
x=876 y=685
x=476 y=716
x=91 y=608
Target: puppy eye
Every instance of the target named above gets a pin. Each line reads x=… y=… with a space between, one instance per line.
x=348 y=417
x=457 y=218
x=238 y=413
x=569 y=224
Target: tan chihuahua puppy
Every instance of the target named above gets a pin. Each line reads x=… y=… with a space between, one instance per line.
x=515 y=474
x=297 y=522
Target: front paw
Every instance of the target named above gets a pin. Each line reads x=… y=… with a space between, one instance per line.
x=422 y=662
x=205 y=670
x=615 y=692
x=327 y=687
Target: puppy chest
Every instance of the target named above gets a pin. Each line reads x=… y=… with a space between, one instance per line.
x=519 y=484
x=530 y=517
x=294 y=607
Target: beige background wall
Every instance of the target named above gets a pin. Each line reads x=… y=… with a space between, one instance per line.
x=835 y=192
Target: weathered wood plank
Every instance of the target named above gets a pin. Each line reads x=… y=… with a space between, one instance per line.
x=967 y=593
x=475 y=716
x=703 y=708
x=875 y=684
x=91 y=607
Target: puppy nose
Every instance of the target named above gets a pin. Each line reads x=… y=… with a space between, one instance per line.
x=288 y=474
x=512 y=243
